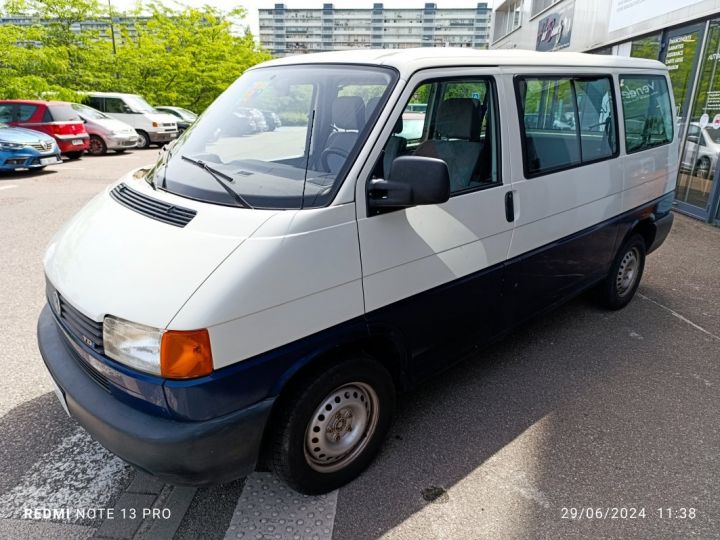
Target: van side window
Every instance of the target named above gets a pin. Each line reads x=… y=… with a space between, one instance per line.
x=453 y=120
x=647 y=111
x=566 y=122
x=114 y=105
x=97 y=103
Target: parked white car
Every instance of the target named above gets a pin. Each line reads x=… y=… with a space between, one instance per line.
x=701 y=150
x=106 y=133
x=152 y=127
x=265 y=296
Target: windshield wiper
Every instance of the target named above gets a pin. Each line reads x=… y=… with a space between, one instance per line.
x=220 y=178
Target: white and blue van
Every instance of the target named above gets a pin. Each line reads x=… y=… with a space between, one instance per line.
x=260 y=299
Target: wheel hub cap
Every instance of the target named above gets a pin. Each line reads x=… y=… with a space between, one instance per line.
x=341 y=426
x=627 y=272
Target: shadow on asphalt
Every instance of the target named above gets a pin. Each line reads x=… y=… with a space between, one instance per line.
x=28 y=432
x=581 y=406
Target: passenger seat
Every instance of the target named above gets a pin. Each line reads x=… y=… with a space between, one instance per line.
x=456 y=140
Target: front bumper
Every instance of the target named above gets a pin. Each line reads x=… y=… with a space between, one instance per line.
x=119 y=142
x=26 y=159
x=162 y=136
x=193 y=453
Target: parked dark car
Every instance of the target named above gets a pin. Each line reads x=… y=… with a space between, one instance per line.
x=185 y=118
x=56 y=118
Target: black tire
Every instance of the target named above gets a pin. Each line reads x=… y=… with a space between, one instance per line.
x=97 y=146
x=143 y=139
x=292 y=454
x=74 y=155
x=625 y=274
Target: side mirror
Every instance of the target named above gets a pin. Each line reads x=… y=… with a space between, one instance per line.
x=415 y=180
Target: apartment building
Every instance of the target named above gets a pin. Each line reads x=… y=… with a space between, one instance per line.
x=285 y=31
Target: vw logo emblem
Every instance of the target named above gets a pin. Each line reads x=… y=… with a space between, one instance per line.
x=56 y=302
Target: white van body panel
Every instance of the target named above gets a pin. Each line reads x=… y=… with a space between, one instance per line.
x=106 y=248
x=298 y=274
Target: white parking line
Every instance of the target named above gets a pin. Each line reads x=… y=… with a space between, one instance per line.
x=77 y=474
x=681 y=317
x=267 y=508
x=8 y=186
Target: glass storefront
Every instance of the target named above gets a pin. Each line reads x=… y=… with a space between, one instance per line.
x=692 y=54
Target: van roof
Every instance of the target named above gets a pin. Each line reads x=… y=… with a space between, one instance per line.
x=410 y=60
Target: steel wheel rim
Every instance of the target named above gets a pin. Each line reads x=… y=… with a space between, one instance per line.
x=628 y=271
x=142 y=140
x=341 y=427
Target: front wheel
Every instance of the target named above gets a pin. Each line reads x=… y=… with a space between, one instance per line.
x=331 y=425
x=625 y=273
x=143 y=139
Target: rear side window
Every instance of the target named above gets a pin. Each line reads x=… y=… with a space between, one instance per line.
x=6 y=113
x=566 y=122
x=25 y=112
x=647 y=111
x=63 y=113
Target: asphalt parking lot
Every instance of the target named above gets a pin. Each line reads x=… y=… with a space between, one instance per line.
x=583 y=409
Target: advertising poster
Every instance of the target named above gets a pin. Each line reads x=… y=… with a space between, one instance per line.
x=555 y=29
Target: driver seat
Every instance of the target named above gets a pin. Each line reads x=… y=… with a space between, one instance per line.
x=348 y=118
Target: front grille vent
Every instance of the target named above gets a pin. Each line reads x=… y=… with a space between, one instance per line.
x=83 y=328
x=152 y=208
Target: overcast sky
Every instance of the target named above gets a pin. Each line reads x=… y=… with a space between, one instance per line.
x=252 y=7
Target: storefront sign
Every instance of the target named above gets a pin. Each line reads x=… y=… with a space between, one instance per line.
x=554 y=29
x=624 y=13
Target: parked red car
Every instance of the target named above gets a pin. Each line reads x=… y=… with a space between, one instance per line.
x=56 y=118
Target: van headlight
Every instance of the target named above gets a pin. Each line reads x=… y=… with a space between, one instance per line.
x=173 y=354
x=135 y=345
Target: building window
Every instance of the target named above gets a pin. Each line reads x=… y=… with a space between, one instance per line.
x=541 y=5
x=508 y=17
x=646 y=47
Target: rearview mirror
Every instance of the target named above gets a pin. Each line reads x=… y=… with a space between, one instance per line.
x=414 y=181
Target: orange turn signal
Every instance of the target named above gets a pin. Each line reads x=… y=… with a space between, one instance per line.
x=185 y=354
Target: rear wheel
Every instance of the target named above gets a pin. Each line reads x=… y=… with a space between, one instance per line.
x=702 y=169
x=97 y=146
x=331 y=425
x=143 y=139
x=626 y=271
x=74 y=155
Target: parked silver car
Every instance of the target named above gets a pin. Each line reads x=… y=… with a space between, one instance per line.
x=701 y=150
x=106 y=133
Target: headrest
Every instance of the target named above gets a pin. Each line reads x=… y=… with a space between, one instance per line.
x=458 y=118
x=348 y=112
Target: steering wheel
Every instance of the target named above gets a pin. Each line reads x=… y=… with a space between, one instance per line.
x=329 y=152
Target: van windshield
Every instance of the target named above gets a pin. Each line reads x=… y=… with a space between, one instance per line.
x=138 y=104
x=279 y=137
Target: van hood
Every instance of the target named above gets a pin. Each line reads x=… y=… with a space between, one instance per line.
x=111 y=260
x=162 y=118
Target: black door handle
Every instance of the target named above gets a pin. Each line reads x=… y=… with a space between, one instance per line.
x=509 y=207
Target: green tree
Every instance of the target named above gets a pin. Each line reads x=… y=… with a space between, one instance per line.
x=185 y=56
